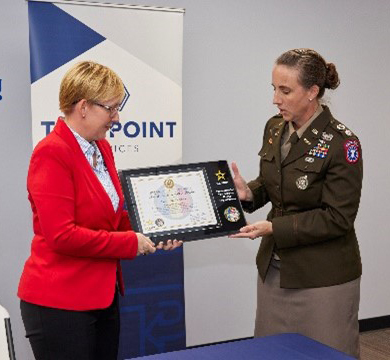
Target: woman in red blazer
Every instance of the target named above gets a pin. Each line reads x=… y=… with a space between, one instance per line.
x=68 y=288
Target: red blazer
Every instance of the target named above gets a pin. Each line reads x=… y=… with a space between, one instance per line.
x=78 y=237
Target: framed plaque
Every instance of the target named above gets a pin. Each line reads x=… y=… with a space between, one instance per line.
x=184 y=202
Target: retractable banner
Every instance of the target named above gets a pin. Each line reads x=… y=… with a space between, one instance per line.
x=144 y=46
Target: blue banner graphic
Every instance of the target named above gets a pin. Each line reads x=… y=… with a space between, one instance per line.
x=152 y=312
x=58 y=35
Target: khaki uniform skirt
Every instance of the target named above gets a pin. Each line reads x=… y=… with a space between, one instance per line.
x=328 y=314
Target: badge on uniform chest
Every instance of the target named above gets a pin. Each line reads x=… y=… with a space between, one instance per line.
x=302 y=182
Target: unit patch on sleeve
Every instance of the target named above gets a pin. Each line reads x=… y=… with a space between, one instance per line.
x=351 y=148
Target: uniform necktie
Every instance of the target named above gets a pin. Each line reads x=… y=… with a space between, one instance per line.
x=294 y=138
x=288 y=145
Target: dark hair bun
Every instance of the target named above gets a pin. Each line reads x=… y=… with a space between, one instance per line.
x=332 y=80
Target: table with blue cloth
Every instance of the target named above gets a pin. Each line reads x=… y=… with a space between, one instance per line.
x=283 y=347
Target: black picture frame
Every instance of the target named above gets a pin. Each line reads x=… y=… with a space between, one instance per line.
x=228 y=214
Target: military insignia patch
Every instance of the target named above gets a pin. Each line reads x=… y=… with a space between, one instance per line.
x=232 y=214
x=302 y=182
x=351 y=148
x=326 y=136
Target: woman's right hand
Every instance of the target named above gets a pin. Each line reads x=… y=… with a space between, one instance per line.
x=145 y=245
x=259 y=228
x=243 y=191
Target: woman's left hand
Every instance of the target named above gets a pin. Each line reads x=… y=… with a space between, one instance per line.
x=259 y=228
x=170 y=245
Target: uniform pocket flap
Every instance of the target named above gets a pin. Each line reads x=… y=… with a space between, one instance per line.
x=309 y=164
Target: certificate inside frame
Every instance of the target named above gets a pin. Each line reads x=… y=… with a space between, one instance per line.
x=185 y=202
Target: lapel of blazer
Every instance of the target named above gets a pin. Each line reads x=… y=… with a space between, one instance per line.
x=276 y=138
x=309 y=138
x=64 y=132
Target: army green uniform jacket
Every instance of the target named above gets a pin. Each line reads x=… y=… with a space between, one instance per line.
x=315 y=194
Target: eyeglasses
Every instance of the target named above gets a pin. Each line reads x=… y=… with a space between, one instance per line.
x=113 y=110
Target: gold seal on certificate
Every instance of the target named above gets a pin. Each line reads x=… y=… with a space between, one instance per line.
x=187 y=202
x=169 y=184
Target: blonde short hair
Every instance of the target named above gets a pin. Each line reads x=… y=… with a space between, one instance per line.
x=91 y=81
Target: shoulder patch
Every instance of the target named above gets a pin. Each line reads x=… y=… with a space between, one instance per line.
x=352 y=151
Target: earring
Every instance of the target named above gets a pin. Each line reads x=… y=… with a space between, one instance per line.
x=310 y=99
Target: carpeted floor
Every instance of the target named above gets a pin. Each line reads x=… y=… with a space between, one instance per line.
x=375 y=345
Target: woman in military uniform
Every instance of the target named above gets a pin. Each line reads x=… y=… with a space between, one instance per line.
x=311 y=171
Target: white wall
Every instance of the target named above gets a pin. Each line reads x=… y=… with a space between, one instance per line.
x=229 y=49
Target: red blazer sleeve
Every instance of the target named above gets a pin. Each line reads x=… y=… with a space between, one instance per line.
x=125 y=222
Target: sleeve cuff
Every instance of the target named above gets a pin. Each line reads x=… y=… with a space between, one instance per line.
x=248 y=206
x=284 y=231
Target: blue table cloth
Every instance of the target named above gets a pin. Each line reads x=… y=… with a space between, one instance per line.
x=283 y=347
